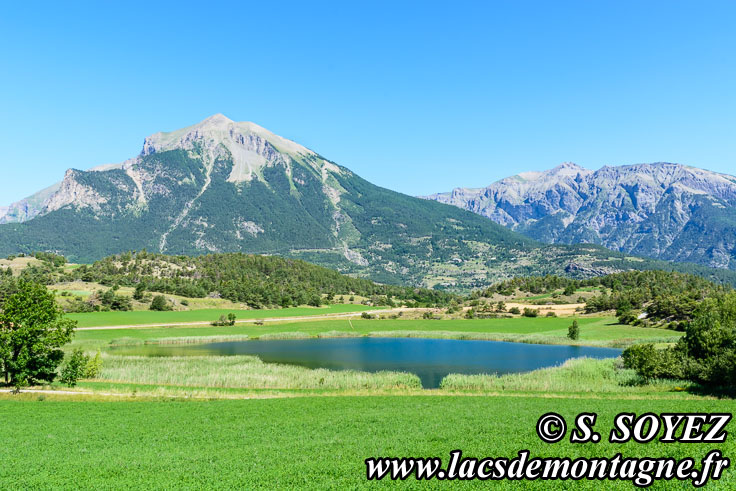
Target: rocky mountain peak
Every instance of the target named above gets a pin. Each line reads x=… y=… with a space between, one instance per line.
x=659 y=210
x=250 y=146
x=567 y=168
x=220 y=130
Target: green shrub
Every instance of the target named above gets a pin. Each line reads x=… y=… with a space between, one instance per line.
x=706 y=354
x=573 y=332
x=160 y=304
x=652 y=363
x=514 y=310
x=226 y=321
x=530 y=312
x=75 y=368
x=93 y=367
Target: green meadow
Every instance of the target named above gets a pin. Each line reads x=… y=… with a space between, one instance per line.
x=143 y=317
x=306 y=442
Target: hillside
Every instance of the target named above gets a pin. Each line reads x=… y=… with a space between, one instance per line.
x=222 y=186
x=252 y=280
x=665 y=211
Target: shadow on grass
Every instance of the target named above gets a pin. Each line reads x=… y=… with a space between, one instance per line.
x=719 y=392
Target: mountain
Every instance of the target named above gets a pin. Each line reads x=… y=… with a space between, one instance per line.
x=666 y=211
x=223 y=186
x=27 y=208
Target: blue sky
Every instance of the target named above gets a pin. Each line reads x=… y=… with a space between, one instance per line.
x=414 y=96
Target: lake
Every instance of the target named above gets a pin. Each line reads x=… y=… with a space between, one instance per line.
x=430 y=359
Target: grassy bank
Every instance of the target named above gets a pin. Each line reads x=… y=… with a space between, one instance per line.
x=595 y=331
x=577 y=376
x=243 y=376
x=315 y=443
x=142 y=317
x=243 y=372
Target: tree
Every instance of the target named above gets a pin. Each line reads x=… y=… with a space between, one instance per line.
x=710 y=342
x=159 y=303
x=32 y=331
x=706 y=354
x=94 y=366
x=75 y=368
x=573 y=332
x=140 y=289
x=231 y=318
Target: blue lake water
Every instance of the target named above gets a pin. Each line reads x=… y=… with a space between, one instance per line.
x=430 y=359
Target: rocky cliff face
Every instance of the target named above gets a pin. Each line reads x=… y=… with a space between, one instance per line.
x=661 y=210
x=27 y=208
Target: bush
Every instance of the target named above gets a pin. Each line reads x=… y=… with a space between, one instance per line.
x=652 y=363
x=514 y=310
x=75 y=368
x=530 y=312
x=160 y=303
x=573 y=332
x=112 y=301
x=706 y=354
x=227 y=321
x=366 y=315
x=551 y=314
x=710 y=342
x=428 y=315
x=94 y=366
x=139 y=292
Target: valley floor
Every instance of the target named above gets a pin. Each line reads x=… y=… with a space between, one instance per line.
x=226 y=422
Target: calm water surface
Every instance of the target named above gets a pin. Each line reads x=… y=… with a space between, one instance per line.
x=430 y=359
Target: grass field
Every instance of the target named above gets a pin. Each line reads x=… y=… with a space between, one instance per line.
x=315 y=442
x=95 y=319
x=593 y=330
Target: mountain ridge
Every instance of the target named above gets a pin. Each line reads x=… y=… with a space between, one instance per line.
x=662 y=210
x=223 y=186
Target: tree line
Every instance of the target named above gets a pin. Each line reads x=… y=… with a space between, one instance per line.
x=258 y=281
x=661 y=295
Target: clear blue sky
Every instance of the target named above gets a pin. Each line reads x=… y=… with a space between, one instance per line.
x=415 y=96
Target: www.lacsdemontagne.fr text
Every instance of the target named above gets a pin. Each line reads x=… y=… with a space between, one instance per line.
x=640 y=471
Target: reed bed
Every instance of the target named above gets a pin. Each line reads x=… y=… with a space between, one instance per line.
x=247 y=372
x=574 y=376
x=120 y=342
x=340 y=334
x=521 y=338
x=284 y=335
